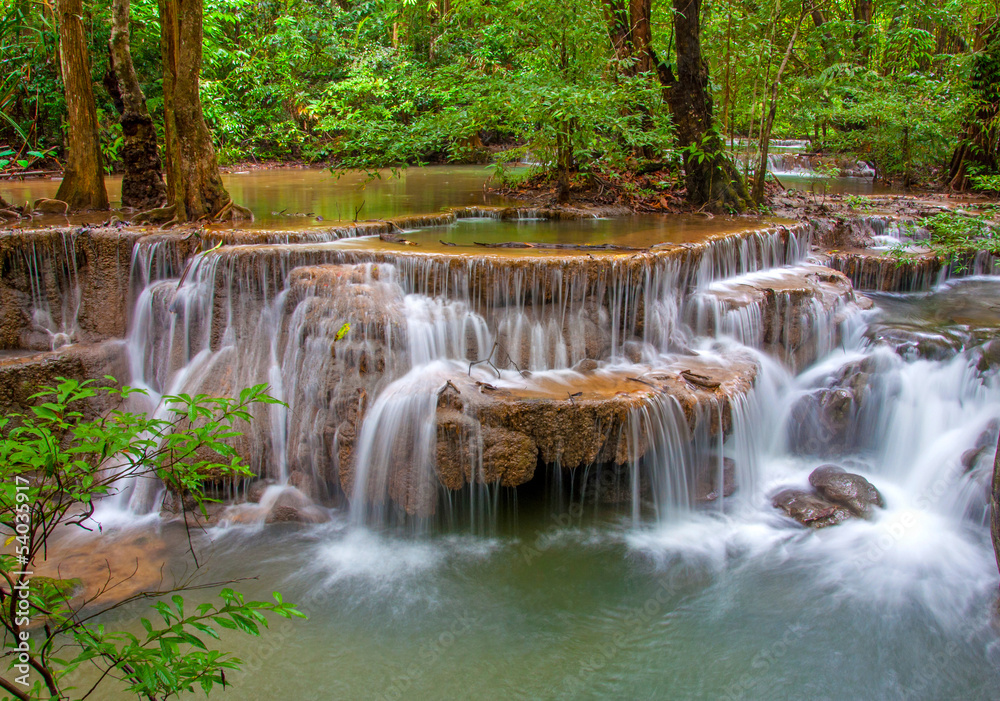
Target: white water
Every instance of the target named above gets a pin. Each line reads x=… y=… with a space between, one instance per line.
x=752 y=605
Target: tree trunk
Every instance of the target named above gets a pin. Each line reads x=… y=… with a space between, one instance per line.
x=631 y=32
x=142 y=184
x=825 y=38
x=765 y=137
x=863 y=10
x=194 y=184
x=711 y=178
x=980 y=141
x=82 y=186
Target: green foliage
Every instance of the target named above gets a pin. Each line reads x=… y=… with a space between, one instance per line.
x=385 y=83
x=859 y=202
x=896 y=123
x=955 y=238
x=55 y=464
x=986 y=183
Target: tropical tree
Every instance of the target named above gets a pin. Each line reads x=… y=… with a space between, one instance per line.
x=142 y=177
x=82 y=186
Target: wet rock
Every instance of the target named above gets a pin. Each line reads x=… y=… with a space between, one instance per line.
x=810 y=509
x=509 y=457
x=985 y=442
x=609 y=484
x=255 y=492
x=830 y=419
x=291 y=506
x=847 y=489
x=305 y=484
x=21 y=376
x=586 y=365
x=707 y=480
x=633 y=351
x=989 y=355
x=914 y=343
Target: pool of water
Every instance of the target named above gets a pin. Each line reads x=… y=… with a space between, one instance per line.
x=569 y=606
x=306 y=197
x=560 y=238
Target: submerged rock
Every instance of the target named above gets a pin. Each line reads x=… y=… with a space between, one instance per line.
x=810 y=509
x=846 y=488
x=707 y=482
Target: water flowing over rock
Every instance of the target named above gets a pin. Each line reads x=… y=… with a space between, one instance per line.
x=793 y=313
x=410 y=372
x=810 y=509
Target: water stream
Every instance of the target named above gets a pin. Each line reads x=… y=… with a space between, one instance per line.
x=446 y=565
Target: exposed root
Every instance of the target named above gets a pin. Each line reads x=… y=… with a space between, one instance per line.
x=160 y=215
x=43 y=205
x=231 y=212
x=9 y=215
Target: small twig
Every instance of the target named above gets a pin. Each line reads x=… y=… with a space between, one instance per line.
x=444 y=388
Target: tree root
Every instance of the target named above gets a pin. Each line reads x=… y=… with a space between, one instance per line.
x=160 y=215
x=167 y=216
x=231 y=212
x=44 y=205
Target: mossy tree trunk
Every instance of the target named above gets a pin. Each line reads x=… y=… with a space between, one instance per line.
x=194 y=185
x=711 y=177
x=82 y=185
x=142 y=182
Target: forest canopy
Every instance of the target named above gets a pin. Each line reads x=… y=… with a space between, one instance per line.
x=376 y=83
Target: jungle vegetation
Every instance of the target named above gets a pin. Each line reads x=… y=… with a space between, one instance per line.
x=591 y=87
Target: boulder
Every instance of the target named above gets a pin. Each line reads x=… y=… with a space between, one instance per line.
x=810 y=509
x=291 y=506
x=847 y=489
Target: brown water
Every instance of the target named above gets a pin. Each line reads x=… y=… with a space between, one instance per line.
x=536 y=237
x=304 y=197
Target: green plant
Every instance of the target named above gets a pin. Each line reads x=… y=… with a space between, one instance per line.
x=859 y=202
x=954 y=238
x=986 y=183
x=55 y=464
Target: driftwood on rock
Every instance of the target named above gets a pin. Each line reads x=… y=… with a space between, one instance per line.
x=699 y=380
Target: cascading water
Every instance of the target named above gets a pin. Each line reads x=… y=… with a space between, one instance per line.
x=363 y=411
x=664 y=398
